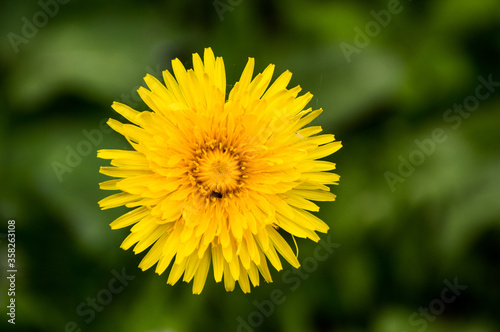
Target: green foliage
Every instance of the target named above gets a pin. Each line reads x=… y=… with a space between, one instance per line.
x=399 y=239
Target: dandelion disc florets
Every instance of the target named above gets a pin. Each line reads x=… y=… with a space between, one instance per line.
x=211 y=181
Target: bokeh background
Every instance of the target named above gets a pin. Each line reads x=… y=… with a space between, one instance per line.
x=398 y=239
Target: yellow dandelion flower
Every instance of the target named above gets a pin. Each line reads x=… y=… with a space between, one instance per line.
x=212 y=181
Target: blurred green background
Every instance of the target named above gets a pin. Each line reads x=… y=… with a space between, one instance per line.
x=407 y=218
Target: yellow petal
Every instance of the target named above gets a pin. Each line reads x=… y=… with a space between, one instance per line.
x=130 y=218
x=116 y=200
x=218 y=262
x=283 y=247
x=325 y=150
x=201 y=274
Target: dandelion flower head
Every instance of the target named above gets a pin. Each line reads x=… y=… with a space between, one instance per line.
x=216 y=181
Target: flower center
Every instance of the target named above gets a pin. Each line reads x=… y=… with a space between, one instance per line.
x=217 y=171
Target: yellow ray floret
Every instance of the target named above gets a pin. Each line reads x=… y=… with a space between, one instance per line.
x=219 y=182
